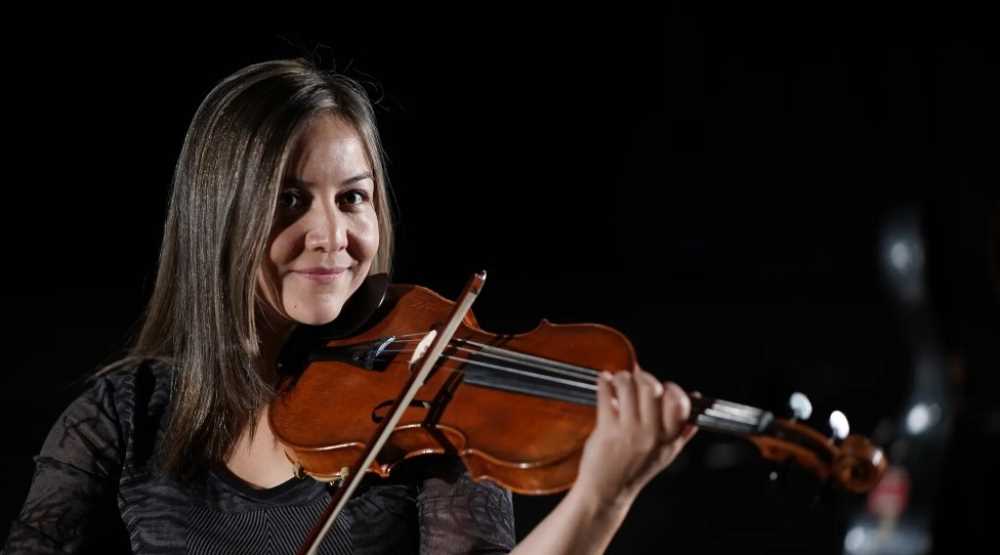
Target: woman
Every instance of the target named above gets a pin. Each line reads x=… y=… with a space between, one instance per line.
x=278 y=214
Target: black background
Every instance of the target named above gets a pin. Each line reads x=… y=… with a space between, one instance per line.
x=711 y=184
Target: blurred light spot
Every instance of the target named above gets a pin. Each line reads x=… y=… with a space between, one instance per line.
x=800 y=405
x=921 y=417
x=854 y=541
x=900 y=256
x=839 y=424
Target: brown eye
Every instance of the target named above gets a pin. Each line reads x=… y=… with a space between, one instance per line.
x=354 y=197
x=291 y=199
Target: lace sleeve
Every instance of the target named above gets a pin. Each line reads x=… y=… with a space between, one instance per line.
x=71 y=505
x=459 y=515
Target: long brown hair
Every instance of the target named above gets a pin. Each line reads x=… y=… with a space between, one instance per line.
x=201 y=315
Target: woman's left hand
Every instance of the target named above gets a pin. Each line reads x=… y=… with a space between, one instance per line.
x=641 y=427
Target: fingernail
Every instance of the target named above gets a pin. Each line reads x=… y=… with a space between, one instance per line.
x=606 y=376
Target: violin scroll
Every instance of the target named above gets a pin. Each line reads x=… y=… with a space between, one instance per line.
x=854 y=463
x=859 y=464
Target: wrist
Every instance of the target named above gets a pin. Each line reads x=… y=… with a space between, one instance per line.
x=598 y=507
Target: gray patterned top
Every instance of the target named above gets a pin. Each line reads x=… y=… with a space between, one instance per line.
x=95 y=491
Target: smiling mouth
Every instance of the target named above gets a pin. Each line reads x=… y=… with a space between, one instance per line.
x=322 y=275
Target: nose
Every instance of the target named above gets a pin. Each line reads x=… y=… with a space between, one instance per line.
x=327 y=231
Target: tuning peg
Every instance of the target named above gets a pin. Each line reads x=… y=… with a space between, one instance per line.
x=799 y=406
x=839 y=427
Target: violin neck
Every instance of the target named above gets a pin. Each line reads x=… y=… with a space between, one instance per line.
x=717 y=415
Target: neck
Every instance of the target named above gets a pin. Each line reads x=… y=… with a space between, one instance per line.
x=258 y=458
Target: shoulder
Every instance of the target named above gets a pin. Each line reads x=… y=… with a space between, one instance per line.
x=113 y=412
x=71 y=504
x=132 y=388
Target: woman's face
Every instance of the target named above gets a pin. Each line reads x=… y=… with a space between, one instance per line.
x=326 y=230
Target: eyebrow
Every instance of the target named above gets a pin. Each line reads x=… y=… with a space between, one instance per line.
x=349 y=181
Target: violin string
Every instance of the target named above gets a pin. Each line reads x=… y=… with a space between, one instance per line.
x=542 y=377
x=588 y=385
x=524 y=356
x=544 y=370
x=530 y=361
x=719 y=413
x=498 y=352
x=577 y=378
x=534 y=371
x=419 y=335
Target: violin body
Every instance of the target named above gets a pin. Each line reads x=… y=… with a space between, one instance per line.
x=507 y=424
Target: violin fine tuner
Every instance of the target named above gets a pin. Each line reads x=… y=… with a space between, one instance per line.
x=340 y=476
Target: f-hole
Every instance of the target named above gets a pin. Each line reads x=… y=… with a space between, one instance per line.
x=381 y=410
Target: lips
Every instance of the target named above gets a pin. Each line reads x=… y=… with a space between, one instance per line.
x=321 y=271
x=321 y=275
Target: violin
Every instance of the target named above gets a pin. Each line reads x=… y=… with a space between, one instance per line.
x=516 y=409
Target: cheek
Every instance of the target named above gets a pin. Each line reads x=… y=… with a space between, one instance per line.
x=281 y=249
x=279 y=252
x=269 y=286
x=367 y=238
